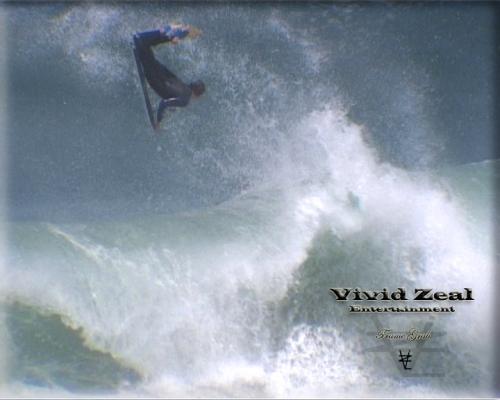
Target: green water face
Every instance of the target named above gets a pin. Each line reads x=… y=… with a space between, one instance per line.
x=46 y=352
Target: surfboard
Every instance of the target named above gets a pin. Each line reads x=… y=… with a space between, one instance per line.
x=142 y=79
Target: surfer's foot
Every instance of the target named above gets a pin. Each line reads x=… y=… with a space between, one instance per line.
x=162 y=106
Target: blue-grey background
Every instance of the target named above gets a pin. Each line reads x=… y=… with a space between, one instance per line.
x=419 y=77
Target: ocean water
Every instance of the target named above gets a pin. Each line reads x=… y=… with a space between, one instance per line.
x=329 y=151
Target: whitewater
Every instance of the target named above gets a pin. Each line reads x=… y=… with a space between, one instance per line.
x=220 y=287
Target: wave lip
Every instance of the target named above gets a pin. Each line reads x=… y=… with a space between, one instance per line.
x=234 y=298
x=47 y=353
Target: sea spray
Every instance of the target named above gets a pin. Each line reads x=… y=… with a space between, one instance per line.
x=246 y=282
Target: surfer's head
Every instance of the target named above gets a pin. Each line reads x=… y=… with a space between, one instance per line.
x=197 y=87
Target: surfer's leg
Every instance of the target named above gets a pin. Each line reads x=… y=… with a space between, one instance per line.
x=153 y=69
x=143 y=47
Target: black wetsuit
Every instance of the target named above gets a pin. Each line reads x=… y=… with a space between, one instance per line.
x=172 y=90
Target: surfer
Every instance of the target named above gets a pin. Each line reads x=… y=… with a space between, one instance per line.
x=173 y=92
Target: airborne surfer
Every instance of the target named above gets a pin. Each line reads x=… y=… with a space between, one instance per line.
x=173 y=91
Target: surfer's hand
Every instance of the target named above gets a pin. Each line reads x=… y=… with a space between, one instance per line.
x=193 y=32
x=178 y=26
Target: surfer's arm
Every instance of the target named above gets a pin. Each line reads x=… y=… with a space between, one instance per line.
x=170 y=33
x=175 y=32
